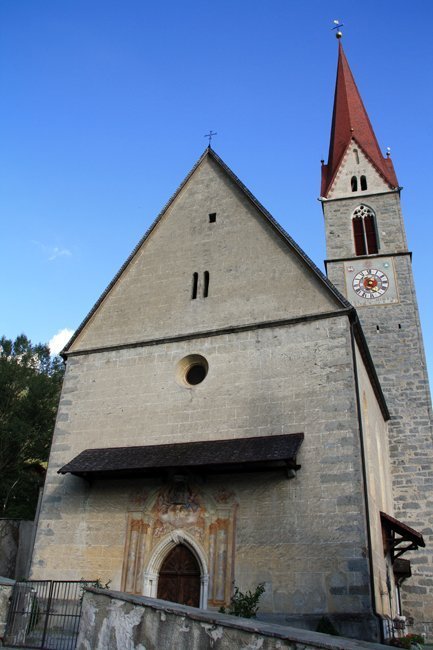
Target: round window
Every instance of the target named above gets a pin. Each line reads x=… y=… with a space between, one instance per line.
x=191 y=370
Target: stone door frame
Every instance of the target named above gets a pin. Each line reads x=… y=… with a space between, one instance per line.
x=151 y=574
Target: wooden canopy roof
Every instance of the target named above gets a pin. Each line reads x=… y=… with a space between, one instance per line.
x=213 y=456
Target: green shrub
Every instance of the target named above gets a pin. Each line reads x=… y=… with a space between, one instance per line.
x=245 y=604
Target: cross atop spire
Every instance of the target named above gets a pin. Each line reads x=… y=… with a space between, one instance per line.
x=350 y=122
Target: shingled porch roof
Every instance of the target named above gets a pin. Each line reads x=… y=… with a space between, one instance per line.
x=400 y=537
x=213 y=456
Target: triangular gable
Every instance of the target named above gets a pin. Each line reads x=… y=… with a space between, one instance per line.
x=340 y=182
x=210 y=185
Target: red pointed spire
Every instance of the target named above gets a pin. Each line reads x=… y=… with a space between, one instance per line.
x=350 y=122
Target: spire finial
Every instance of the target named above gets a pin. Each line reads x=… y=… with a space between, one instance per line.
x=337 y=24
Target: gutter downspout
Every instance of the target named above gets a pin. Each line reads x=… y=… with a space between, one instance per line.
x=364 y=477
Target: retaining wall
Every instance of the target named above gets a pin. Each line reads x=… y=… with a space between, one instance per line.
x=117 y=621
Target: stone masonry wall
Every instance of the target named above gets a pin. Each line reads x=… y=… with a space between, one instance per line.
x=6 y=586
x=16 y=538
x=395 y=341
x=338 y=224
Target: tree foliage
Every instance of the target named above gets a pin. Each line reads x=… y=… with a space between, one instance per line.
x=30 y=382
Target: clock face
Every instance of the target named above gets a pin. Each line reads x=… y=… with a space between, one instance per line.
x=374 y=284
x=370 y=283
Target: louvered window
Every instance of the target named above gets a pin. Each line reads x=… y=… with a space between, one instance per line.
x=370 y=234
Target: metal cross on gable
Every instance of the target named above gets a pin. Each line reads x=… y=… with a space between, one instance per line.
x=209 y=135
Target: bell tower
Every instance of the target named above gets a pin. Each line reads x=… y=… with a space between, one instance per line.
x=369 y=262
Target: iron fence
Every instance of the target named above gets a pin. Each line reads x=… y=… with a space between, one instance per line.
x=45 y=614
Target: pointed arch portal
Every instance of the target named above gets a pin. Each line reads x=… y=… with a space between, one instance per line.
x=168 y=564
x=179 y=577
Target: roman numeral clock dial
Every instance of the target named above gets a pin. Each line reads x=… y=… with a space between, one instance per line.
x=368 y=284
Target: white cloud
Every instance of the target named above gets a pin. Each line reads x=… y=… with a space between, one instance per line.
x=59 y=252
x=52 y=252
x=59 y=340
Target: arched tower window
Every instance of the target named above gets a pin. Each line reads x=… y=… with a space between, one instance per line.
x=354 y=183
x=364 y=231
x=355 y=153
x=363 y=183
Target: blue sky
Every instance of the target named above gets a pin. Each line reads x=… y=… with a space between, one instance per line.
x=104 y=106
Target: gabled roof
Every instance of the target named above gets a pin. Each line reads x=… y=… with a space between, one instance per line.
x=351 y=122
x=210 y=153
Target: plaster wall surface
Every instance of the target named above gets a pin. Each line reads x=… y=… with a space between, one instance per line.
x=253 y=276
x=356 y=164
x=304 y=537
x=379 y=488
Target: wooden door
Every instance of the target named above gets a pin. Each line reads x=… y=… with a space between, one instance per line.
x=179 y=577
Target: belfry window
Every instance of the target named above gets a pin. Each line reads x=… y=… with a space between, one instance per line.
x=364 y=231
x=363 y=183
x=354 y=183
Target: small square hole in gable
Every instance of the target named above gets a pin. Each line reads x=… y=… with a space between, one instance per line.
x=212 y=217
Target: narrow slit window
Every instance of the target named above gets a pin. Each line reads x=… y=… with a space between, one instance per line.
x=355 y=153
x=194 y=286
x=206 y=284
x=363 y=183
x=212 y=217
x=354 y=183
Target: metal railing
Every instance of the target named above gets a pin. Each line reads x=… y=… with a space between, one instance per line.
x=45 y=614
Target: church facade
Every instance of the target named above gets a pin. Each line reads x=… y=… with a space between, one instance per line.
x=227 y=419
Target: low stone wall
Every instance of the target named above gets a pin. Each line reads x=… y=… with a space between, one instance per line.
x=6 y=586
x=16 y=541
x=116 y=621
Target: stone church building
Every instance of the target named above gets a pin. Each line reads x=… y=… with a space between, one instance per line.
x=231 y=415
